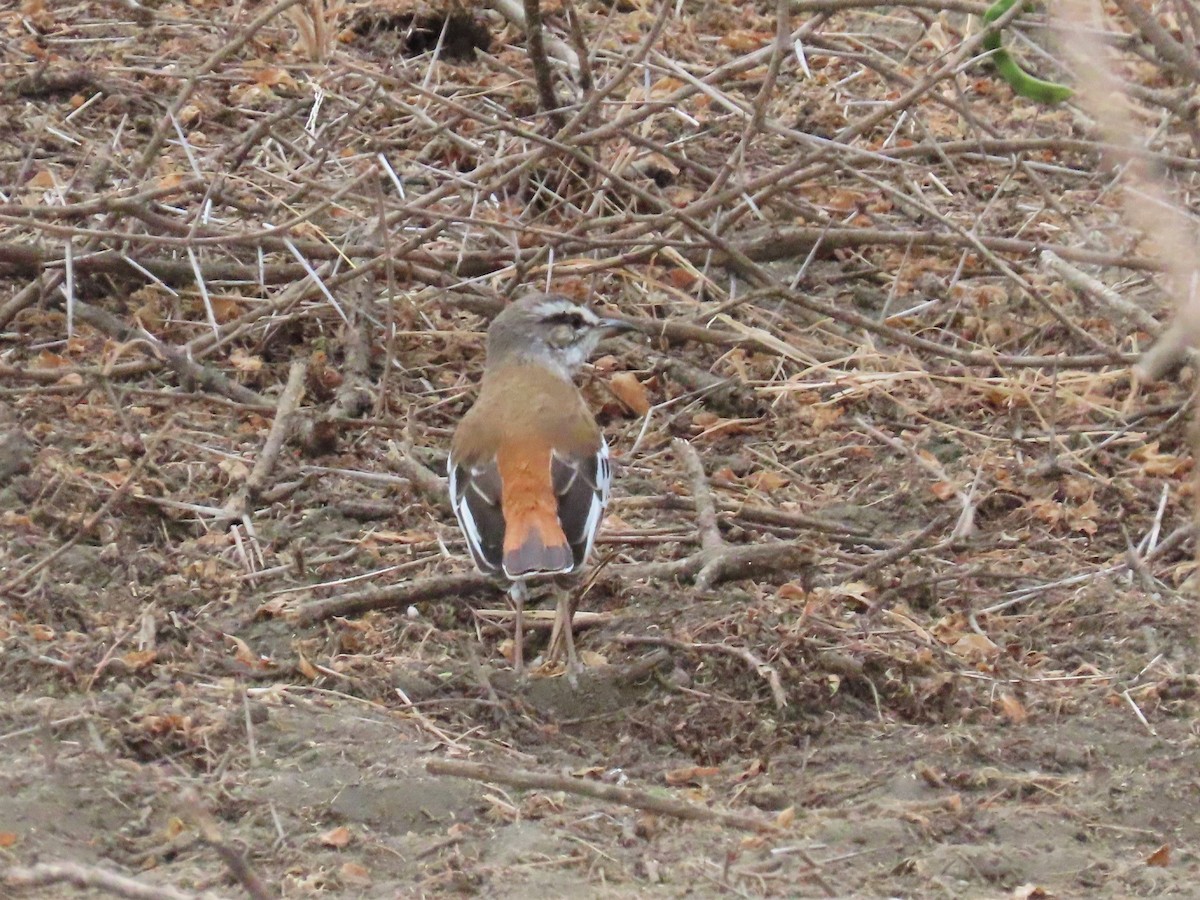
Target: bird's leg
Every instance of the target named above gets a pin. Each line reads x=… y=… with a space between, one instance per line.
x=517 y=594
x=563 y=618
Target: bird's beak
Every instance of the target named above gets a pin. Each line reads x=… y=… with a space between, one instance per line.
x=610 y=327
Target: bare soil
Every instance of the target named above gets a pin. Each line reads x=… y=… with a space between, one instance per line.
x=969 y=671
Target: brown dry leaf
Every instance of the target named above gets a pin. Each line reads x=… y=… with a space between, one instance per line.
x=854 y=591
x=1012 y=709
x=786 y=817
x=943 y=490
x=274 y=76
x=245 y=362
x=48 y=360
x=630 y=391
x=354 y=873
x=338 y=838
x=766 y=481
x=226 y=310
x=1083 y=517
x=1156 y=464
x=689 y=774
x=592 y=659
x=1031 y=892
x=37 y=13
x=214 y=540
x=1049 y=511
x=170 y=181
x=664 y=87
x=39 y=632
x=43 y=180
x=975 y=648
x=307 y=669
x=137 y=660
x=743 y=40
x=793 y=590
x=1077 y=488
x=273 y=608
x=8 y=838
x=175 y=827
x=236 y=469
x=1160 y=858
x=681 y=279
x=506 y=649
x=825 y=415
x=949 y=629
x=756 y=768
x=606 y=363
x=842 y=200
x=242 y=652
x=10 y=519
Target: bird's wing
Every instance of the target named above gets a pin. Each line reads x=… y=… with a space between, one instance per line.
x=475 y=493
x=581 y=483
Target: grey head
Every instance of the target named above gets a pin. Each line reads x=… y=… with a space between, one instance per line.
x=548 y=329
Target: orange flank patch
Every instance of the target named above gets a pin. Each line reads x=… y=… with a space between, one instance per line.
x=533 y=538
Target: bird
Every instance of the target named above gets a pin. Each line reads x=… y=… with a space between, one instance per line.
x=529 y=469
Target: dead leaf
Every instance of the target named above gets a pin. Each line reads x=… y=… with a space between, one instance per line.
x=235 y=469
x=743 y=40
x=137 y=660
x=793 y=590
x=8 y=838
x=630 y=391
x=681 y=279
x=766 y=481
x=1157 y=464
x=175 y=826
x=1012 y=709
x=305 y=668
x=943 y=490
x=353 y=873
x=689 y=774
x=786 y=817
x=338 y=838
x=273 y=608
x=245 y=362
x=170 y=181
x=1160 y=858
x=48 y=360
x=756 y=768
x=243 y=653
x=592 y=659
x=975 y=647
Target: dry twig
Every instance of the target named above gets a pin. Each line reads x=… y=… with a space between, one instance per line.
x=542 y=781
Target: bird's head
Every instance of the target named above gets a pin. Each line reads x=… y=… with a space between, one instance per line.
x=549 y=329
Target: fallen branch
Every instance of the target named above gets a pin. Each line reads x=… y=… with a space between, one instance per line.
x=82 y=876
x=238 y=506
x=187 y=369
x=233 y=858
x=543 y=781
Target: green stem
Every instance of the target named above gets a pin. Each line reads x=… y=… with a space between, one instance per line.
x=1022 y=83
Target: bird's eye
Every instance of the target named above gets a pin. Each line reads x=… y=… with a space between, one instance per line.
x=562 y=336
x=572 y=320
